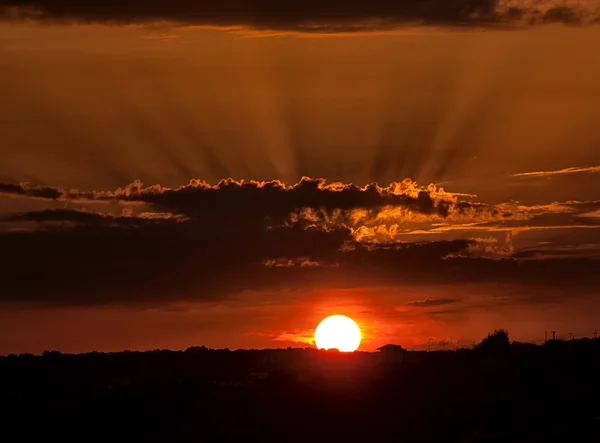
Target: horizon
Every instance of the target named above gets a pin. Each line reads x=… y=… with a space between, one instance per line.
x=437 y=348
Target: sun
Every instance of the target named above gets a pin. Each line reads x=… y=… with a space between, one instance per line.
x=338 y=332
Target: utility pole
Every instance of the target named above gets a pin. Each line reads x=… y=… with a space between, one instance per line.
x=545 y=336
x=553 y=335
x=595 y=333
x=570 y=336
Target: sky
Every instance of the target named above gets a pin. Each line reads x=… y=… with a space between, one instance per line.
x=227 y=174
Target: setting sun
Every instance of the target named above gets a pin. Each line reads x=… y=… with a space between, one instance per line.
x=338 y=332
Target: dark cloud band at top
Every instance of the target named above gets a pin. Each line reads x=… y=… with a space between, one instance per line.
x=261 y=13
x=305 y=15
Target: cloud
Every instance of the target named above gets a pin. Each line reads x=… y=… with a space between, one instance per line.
x=89 y=218
x=168 y=262
x=591 y=214
x=27 y=190
x=490 y=247
x=308 y=16
x=300 y=336
x=394 y=224
x=373 y=214
x=548 y=252
x=573 y=170
x=286 y=262
x=276 y=199
x=429 y=303
x=441 y=312
x=181 y=261
x=203 y=242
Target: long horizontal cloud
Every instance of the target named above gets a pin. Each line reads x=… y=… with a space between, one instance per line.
x=276 y=199
x=573 y=170
x=88 y=218
x=427 y=303
x=306 y=15
x=373 y=214
x=234 y=198
x=26 y=190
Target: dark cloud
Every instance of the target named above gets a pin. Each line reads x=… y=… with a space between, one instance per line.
x=275 y=199
x=184 y=262
x=441 y=312
x=584 y=251
x=27 y=190
x=208 y=242
x=157 y=262
x=262 y=13
x=86 y=218
x=429 y=303
x=238 y=200
x=562 y=14
x=304 y=15
x=371 y=210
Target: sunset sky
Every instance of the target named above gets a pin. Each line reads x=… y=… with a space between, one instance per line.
x=228 y=173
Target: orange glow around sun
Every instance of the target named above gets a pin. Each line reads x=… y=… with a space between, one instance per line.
x=338 y=332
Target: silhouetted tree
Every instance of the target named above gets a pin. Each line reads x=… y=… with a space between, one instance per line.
x=497 y=343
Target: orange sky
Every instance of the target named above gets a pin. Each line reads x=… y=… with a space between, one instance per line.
x=93 y=108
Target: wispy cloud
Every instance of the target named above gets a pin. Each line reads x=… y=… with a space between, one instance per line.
x=303 y=336
x=429 y=302
x=573 y=170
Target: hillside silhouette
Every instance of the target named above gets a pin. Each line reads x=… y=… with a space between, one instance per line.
x=496 y=392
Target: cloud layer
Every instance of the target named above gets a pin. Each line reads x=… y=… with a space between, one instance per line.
x=203 y=242
x=308 y=16
x=276 y=199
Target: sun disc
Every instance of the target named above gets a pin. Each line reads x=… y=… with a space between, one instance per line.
x=338 y=332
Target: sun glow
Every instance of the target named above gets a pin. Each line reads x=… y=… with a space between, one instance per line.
x=338 y=332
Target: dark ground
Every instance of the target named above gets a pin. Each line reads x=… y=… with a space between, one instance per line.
x=495 y=393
